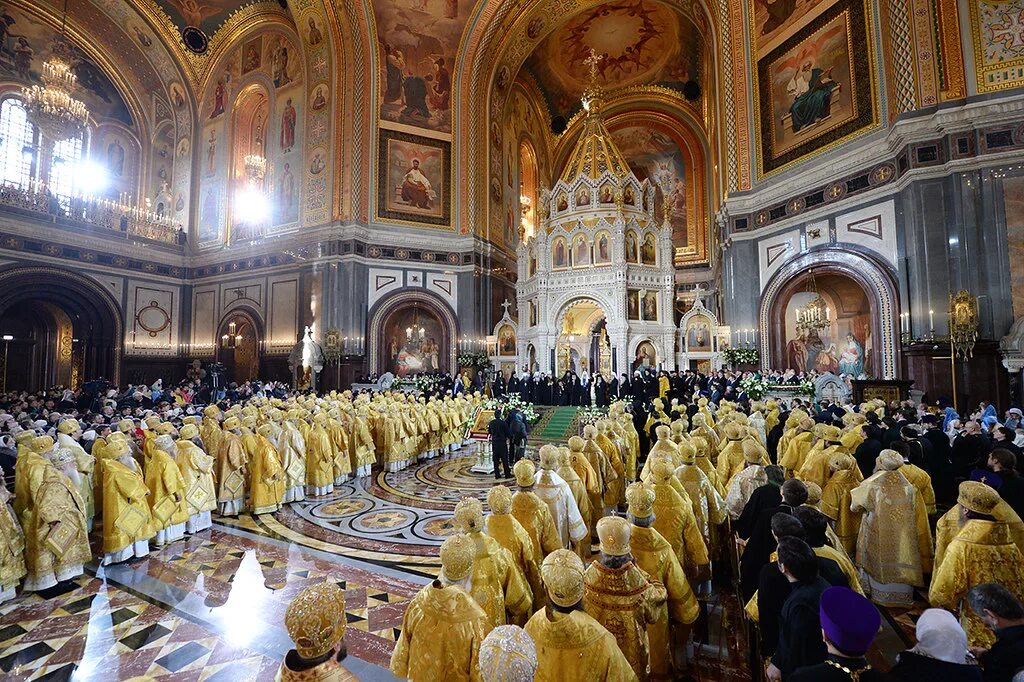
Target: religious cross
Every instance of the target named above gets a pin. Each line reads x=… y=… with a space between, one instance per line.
x=698 y=294
x=505 y=306
x=592 y=61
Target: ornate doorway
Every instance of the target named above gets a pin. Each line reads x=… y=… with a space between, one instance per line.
x=239 y=346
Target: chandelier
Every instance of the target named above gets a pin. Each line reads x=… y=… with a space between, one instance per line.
x=255 y=167
x=814 y=316
x=416 y=333
x=52 y=106
x=232 y=338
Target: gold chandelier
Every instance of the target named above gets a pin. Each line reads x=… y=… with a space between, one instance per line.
x=814 y=316
x=255 y=167
x=52 y=106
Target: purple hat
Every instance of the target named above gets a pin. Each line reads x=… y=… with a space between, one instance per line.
x=849 y=620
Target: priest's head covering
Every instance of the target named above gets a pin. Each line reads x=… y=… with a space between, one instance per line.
x=499 y=499
x=661 y=471
x=848 y=620
x=165 y=442
x=888 y=460
x=640 y=499
x=841 y=461
x=688 y=451
x=576 y=444
x=977 y=497
x=614 y=533
x=191 y=419
x=469 y=515
x=24 y=437
x=188 y=431
x=832 y=434
x=69 y=426
x=813 y=494
x=316 y=620
x=663 y=432
x=232 y=423
x=125 y=426
x=562 y=574
x=165 y=428
x=733 y=432
x=41 y=444
x=524 y=471
x=507 y=654
x=940 y=636
x=549 y=457
x=590 y=431
x=62 y=457
x=751 y=453
x=265 y=430
x=456 y=558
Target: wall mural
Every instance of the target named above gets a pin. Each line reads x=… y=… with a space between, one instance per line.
x=413 y=179
x=404 y=356
x=417 y=46
x=26 y=42
x=207 y=15
x=1013 y=209
x=998 y=44
x=651 y=153
x=641 y=42
x=815 y=88
x=843 y=347
x=269 y=58
x=776 y=21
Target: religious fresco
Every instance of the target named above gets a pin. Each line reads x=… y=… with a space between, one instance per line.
x=26 y=42
x=645 y=356
x=998 y=44
x=776 y=21
x=842 y=347
x=406 y=355
x=638 y=42
x=633 y=304
x=413 y=179
x=815 y=88
x=207 y=15
x=1013 y=209
x=119 y=152
x=506 y=340
x=649 y=306
x=418 y=45
x=653 y=155
x=286 y=153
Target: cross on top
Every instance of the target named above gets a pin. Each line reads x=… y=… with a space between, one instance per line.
x=592 y=61
x=505 y=306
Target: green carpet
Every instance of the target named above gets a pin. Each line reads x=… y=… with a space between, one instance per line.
x=555 y=424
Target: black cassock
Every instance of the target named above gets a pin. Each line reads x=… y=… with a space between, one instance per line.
x=800 y=642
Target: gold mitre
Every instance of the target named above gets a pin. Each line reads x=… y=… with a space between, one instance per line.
x=640 y=499
x=457 y=558
x=614 y=532
x=562 y=573
x=469 y=515
x=499 y=499
x=524 y=472
x=978 y=497
x=316 y=620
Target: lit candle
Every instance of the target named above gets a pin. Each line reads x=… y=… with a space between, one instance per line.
x=931 y=322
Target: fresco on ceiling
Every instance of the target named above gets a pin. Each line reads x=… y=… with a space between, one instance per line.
x=776 y=20
x=207 y=15
x=654 y=155
x=418 y=41
x=814 y=89
x=998 y=44
x=26 y=42
x=639 y=42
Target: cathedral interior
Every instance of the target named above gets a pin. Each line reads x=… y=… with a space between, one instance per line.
x=407 y=186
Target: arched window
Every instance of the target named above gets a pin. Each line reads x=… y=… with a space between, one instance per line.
x=65 y=162
x=528 y=182
x=18 y=145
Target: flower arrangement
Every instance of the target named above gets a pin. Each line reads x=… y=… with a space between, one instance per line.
x=742 y=356
x=478 y=359
x=424 y=383
x=754 y=386
x=590 y=415
x=808 y=389
x=512 y=401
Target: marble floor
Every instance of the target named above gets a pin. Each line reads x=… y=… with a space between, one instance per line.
x=211 y=607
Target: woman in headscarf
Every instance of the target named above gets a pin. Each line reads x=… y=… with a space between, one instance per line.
x=941 y=651
x=950 y=416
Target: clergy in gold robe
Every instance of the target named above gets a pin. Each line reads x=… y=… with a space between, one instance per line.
x=655 y=556
x=621 y=596
x=835 y=500
x=56 y=542
x=580 y=465
x=443 y=626
x=633 y=454
x=29 y=470
x=746 y=481
x=952 y=521
x=211 y=429
x=292 y=449
x=127 y=519
x=615 y=490
x=982 y=552
x=497 y=584
x=319 y=459
x=362 y=444
x=197 y=473
x=662 y=450
x=920 y=479
x=339 y=439
x=316 y=621
x=12 y=545
x=166 y=490
x=602 y=467
x=266 y=476
x=572 y=646
x=230 y=468
x=894 y=547
x=792 y=456
x=550 y=487
x=68 y=434
x=732 y=460
x=511 y=535
x=708 y=506
x=532 y=512
x=674 y=519
x=815 y=468
x=579 y=493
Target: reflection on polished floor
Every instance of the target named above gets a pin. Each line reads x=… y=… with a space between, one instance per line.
x=211 y=607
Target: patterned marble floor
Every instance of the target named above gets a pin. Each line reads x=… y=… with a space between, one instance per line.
x=211 y=607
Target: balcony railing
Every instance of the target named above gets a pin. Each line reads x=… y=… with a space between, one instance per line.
x=130 y=221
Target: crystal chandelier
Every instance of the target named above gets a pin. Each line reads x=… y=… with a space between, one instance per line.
x=255 y=167
x=52 y=106
x=814 y=316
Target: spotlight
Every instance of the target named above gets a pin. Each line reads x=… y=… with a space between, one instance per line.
x=251 y=206
x=91 y=178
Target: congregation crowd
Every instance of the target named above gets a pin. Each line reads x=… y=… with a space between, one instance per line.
x=817 y=514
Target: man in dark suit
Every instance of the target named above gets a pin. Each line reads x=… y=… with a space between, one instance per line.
x=800 y=642
x=849 y=623
x=1001 y=611
x=499 y=432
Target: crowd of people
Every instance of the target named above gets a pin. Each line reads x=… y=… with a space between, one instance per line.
x=818 y=512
